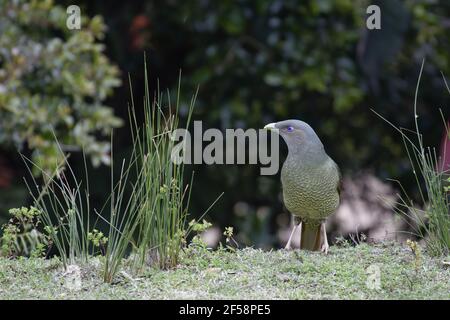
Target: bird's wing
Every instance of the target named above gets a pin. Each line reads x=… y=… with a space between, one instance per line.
x=340 y=185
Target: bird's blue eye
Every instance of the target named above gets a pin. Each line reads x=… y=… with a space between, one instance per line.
x=290 y=129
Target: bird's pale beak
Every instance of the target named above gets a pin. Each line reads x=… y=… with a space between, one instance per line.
x=270 y=126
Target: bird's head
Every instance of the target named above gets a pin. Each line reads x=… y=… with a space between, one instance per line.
x=298 y=135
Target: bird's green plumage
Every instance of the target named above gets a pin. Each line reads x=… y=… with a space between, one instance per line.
x=310 y=180
x=310 y=189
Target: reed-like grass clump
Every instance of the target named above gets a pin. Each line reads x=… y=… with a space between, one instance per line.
x=432 y=222
x=146 y=209
x=165 y=197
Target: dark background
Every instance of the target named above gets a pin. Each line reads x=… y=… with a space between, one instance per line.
x=257 y=62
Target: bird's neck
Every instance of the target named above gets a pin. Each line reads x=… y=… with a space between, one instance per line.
x=306 y=156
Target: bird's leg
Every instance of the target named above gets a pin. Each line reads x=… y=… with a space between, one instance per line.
x=297 y=222
x=300 y=235
x=325 y=246
x=288 y=244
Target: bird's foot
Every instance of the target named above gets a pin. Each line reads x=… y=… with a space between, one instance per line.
x=288 y=247
x=325 y=248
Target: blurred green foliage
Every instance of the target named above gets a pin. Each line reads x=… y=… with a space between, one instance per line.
x=315 y=60
x=53 y=79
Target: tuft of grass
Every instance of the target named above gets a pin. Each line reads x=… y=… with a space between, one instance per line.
x=433 y=222
x=153 y=222
x=64 y=202
x=165 y=196
x=64 y=207
x=123 y=215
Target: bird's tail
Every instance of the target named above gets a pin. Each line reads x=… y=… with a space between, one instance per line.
x=311 y=237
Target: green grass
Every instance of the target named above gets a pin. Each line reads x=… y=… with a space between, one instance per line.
x=244 y=274
x=432 y=221
x=65 y=208
x=165 y=198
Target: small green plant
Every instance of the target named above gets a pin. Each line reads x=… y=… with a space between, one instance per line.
x=98 y=239
x=198 y=228
x=9 y=239
x=433 y=222
x=39 y=251
x=417 y=253
x=414 y=275
x=228 y=233
x=21 y=235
